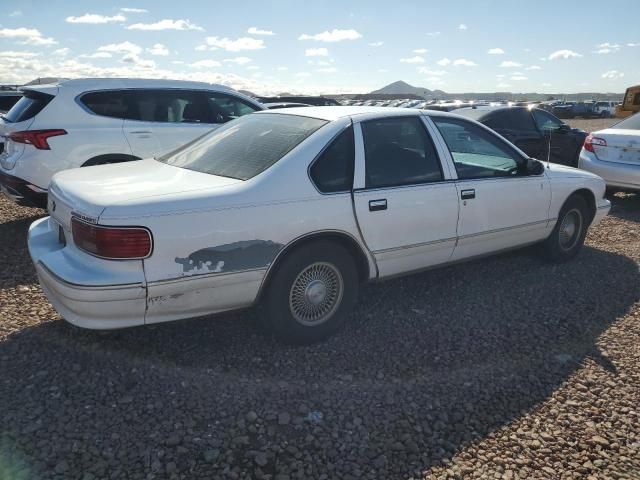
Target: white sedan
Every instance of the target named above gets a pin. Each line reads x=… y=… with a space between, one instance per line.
x=293 y=210
x=614 y=154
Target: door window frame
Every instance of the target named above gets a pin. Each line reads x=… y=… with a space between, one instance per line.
x=359 y=177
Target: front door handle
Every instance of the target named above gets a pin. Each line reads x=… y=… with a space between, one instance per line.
x=468 y=194
x=375 y=205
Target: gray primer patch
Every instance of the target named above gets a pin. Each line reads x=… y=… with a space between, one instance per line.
x=230 y=257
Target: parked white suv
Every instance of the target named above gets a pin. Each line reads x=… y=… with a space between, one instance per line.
x=85 y=122
x=605 y=109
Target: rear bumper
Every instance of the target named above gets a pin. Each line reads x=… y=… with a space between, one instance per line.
x=617 y=175
x=22 y=192
x=80 y=290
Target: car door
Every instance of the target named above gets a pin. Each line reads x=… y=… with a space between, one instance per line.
x=562 y=146
x=405 y=201
x=501 y=206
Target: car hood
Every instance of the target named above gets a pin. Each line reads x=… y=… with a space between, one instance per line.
x=91 y=190
x=555 y=170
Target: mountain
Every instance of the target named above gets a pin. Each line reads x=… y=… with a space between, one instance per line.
x=403 y=88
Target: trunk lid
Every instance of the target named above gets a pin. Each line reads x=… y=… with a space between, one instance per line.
x=623 y=146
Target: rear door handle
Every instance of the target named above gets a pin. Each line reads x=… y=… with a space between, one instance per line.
x=141 y=132
x=375 y=205
x=468 y=194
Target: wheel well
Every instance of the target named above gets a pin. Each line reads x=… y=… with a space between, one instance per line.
x=590 y=198
x=342 y=239
x=109 y=158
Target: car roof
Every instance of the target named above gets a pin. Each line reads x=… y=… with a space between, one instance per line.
x=100 y=83
x=331 y=113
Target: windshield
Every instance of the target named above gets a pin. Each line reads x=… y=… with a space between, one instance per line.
x=245 y=147
x=631 y=123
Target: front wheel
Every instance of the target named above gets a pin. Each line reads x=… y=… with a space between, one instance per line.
x=568 y=235
x=312 y=293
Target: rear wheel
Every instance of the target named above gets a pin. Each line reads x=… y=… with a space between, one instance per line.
x=568 y=235
x=312 y=293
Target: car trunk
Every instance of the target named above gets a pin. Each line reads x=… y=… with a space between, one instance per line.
x=623 y=146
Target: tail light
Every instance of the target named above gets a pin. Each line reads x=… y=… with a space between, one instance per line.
x=37 y=138
x=116 y=243
x=590 y=141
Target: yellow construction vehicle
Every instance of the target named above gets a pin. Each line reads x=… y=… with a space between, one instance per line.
x=630 y=104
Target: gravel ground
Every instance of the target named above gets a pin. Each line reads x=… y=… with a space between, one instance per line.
x=592 y=124
x=506 y=367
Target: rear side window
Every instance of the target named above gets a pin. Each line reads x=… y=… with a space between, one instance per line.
x=244 y=147
x=333 y=170
x=511 y=119
x=28 y=106
x=398 y=151
x=167 y=106
x=110 y=103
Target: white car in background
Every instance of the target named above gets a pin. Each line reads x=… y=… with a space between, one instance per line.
x=78 y=123
x=294 y=209
x=605 y=109
x=614 y=154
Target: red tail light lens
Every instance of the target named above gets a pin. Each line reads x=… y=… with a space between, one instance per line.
x=590 y=141
x=117 y=243
x=37 y=138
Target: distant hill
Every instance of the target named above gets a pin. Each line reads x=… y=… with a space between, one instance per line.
x=401 y=88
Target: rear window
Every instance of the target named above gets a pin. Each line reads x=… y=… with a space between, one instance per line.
x=631 y=123
x=245 y=147
x=28 y=106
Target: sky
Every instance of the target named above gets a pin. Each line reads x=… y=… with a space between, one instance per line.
x=329 y=46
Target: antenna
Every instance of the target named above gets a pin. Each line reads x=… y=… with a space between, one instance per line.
x=548 y=147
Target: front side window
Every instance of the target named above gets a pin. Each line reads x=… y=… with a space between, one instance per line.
x=476 y=152
x=333 y=170
x=398 y=151
x=244 y=147
x=227 y=107
x=545 y=121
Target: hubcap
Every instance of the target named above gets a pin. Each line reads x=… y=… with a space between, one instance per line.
x=570 y=229
x=316 y=294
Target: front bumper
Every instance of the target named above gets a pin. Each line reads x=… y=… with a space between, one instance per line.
x=85 y=291
x=624 y=176
x=22 y=192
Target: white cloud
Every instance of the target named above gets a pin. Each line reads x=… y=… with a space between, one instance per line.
x=282 y=69
x=138 y=62
x=316 y=52
x=27 y=36
x=563 y=54
x=134 y=10
x=61 y=52
x=443 y=62
x=334 y=35
x=433 y=34
x=376 y=44
x=612 y=75
x=517 y=78
x=495 y=51
x=462 y=26
x=253 y=67
x=420 y=51
x=533 y=67
x=327 y=70
x=303 y=74
x=257 y=31
x=205 y=64
x=631 y=44
x=428 y=71
x=16 y=13
x=416 y=59
x=14 y=54
x=606 y=47
x=510 y=64
x=158 y=49
x=463 y=62
x=98 y=55
x=124 y=47
x=503 y=85
x=242 y=43
x=95 y=18
x=238 y=60
x=166 y=24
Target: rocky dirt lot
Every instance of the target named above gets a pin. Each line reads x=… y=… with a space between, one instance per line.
x=507 y=367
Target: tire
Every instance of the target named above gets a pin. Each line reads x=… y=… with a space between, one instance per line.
x=311 y=293
x=604 y=114
x=565 y=241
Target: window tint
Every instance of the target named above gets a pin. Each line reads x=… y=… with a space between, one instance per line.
x=227 y=107
x=110 y=103
x=8 y=101
x=168 y=106
x=333 y=171
x=398 y=151
x=28 y=106
x=511 y=119
x=546 y=121
x=244 y=147
x=477 y=153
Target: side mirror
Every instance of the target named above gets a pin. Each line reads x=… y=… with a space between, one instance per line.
x=564 y=128
x=534 y=167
